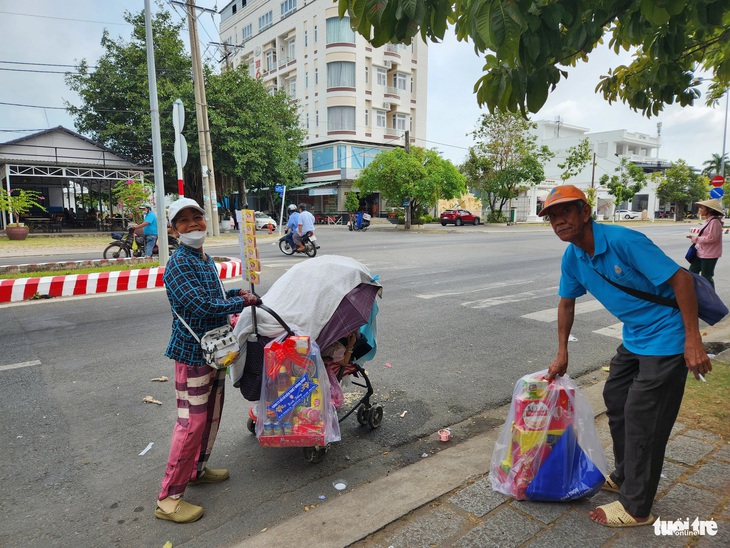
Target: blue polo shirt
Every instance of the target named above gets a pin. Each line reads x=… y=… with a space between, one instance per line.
x=631 y=259
x=151 y=228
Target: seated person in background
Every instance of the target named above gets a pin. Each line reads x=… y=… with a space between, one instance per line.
x=339 y=353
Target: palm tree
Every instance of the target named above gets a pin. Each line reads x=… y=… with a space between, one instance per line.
x=714 y=166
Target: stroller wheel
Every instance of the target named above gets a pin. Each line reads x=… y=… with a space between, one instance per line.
x=362 y=415
x=375 y=416
x=251 y=425
x=315 y=454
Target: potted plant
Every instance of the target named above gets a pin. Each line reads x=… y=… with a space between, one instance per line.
x=16 y=203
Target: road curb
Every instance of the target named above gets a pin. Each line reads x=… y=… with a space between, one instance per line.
x=22 y=289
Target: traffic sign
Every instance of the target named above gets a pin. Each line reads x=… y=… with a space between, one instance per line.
x=718 y=180
x=717 y=193
x=181 y=150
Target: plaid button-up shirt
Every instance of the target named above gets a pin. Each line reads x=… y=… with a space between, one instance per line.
x=195 y=293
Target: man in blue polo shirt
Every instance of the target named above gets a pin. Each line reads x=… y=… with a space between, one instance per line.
x=149 y=226
x=647 y=376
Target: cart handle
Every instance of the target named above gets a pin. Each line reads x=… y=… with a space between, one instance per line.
x=283 y=324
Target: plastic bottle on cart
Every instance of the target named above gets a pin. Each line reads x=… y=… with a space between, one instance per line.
x=283 y=380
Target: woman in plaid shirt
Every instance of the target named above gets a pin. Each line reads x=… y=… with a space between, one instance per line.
x=196 y=294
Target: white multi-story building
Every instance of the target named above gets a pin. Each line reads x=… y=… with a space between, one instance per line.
x=354 y=100
x=608 y=149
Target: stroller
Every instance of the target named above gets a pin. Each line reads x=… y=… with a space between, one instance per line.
x=325 y=298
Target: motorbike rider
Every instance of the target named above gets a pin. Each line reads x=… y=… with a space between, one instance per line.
x=305 y=225
x=291 y=225
x=149 y=226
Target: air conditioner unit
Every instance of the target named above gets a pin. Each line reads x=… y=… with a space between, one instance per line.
x=386 y=106
x=387 y=64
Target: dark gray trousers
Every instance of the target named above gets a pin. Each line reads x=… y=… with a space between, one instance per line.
x=642 y=395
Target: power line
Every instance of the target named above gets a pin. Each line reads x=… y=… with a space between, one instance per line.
x=63 y=18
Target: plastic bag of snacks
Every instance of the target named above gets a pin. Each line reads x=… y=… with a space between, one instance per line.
x=548 y=449
x=295 y=409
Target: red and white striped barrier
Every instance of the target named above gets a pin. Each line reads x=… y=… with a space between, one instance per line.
x=22 y=289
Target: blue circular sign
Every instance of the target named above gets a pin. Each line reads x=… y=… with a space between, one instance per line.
x=717 y=193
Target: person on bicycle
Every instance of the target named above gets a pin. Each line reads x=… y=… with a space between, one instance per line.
x=291 y=225
x=196 y=296
x=149 y=226
x=305 y=225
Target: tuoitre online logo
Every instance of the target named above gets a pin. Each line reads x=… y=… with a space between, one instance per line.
x=685 y=528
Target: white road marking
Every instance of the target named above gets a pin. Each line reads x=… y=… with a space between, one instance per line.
x=495 y=285
x=505 y=299
x=19 y=365
x=551 y=314
x=615 y=331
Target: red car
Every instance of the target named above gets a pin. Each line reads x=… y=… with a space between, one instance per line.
x=458 y=217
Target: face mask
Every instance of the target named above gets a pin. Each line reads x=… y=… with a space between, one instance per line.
x=193 y=239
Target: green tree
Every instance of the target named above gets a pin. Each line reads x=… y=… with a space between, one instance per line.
x=623 y=186
x=505 y=159
x=18 y=202
x=680 y=185
x=420 y=178
x=115 y=106
x=579 y=156
x=352 y=201
x=715 y=165
x=527 y=44
x=131 y=195
x=256 y=137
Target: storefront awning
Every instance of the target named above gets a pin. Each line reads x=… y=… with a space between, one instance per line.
x=312 y=185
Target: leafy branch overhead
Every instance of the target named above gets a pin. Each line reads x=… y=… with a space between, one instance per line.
x=528 y=44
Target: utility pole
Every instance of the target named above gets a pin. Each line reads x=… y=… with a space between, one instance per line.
x=407 y=224
x=210 y=198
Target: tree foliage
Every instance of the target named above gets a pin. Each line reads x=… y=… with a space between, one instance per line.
x=504 y=159
x=715 y=165
x=628 y=180
x=680 y=185
x=579 y=156
x=420 y=178
x=527 y=44
x=131 y=195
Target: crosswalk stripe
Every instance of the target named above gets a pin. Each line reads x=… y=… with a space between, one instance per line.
x=551 y=314
x=615 y=331
x=19 y=365
x=495 y=285
x=514 y=298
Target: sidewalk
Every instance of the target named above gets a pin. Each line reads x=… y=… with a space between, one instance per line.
x=446 y=500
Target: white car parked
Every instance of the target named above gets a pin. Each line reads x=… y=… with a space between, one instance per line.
x=263 y=221
x=627 y=214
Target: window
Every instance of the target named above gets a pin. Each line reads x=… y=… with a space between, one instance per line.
x=322 y=159
x=399 y=81
x=293 y=88
x=316 y=118
x=306 y=80
x=265 y=20
x=361 y=157
x=292 y=49
x=288 y=7
x=367 y=118
x=341 y=156
x=233 y=9
x=399 y=121
x=270 y=60
x=381 y=76
x=247 y=32
x=380 y=118
x=339 y=31
x=306 y=39
x=340 y=118
x=316 y=76
x=341 y=74
x=307 y=120
x=367 y=75
x=315 y=34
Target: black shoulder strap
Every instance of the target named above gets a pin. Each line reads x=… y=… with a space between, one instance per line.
x=658 y=299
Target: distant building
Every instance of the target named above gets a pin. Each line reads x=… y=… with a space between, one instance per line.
x=609 y=148
x=355 y=100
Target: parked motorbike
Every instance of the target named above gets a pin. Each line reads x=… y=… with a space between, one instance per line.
x=133 y=246
x=361 y=222
x=309 y=242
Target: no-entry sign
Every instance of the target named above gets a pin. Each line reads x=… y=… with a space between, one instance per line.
x=718 y=180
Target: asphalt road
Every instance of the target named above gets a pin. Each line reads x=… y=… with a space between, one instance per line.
x=464 y=314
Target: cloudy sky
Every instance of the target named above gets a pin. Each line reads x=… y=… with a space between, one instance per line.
x=62 y=32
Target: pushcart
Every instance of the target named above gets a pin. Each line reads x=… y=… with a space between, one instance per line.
x=325 y=299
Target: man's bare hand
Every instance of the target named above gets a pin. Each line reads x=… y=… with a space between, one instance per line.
x=558 y=368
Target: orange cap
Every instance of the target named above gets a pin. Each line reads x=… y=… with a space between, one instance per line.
x=560 y=195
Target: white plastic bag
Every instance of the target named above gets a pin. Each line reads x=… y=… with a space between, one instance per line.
x=548 y=449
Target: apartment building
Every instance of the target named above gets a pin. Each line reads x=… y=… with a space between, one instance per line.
x=354 y=100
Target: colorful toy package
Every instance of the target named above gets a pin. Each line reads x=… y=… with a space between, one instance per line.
x=295 y=408
x=548 y=449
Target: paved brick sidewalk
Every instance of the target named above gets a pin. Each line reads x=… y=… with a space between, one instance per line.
x=695 y=483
